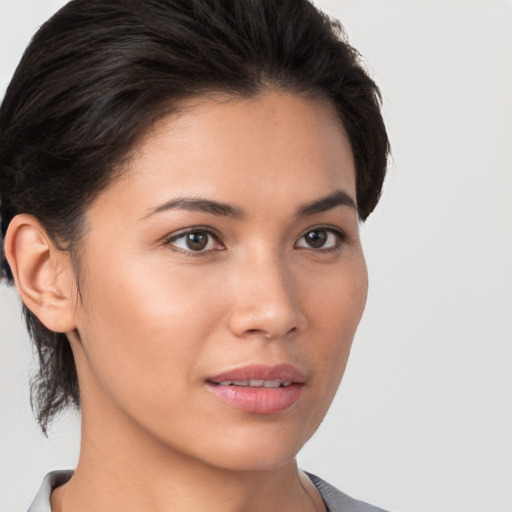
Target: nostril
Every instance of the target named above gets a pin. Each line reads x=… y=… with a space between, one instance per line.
x=268 y=335
x=259 y=332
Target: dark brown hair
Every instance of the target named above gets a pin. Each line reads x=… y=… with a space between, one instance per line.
x=99 y=73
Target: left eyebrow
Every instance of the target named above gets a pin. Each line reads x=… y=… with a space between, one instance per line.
x=337 y=198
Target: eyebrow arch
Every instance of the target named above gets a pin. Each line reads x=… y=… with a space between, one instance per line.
x=198 y=205
x=337 y=198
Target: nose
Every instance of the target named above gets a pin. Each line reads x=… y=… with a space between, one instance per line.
x=265 y=301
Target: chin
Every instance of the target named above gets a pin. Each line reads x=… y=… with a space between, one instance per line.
x=262 y=450
x=254 y=461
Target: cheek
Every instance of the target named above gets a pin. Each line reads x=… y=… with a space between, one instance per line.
x=142 y=326
x=336 y=311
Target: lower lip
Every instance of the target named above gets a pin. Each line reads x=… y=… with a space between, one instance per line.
x=258 y=400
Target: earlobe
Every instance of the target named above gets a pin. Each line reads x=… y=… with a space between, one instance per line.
x=43 y=274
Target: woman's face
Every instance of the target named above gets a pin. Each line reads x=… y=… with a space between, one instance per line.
x=223 y=280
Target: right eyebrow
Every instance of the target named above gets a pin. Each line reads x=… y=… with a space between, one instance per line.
x=198 y=205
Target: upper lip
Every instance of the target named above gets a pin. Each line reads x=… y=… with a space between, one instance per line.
x=261 y=372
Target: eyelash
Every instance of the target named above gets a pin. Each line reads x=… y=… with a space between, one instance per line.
x=189 y=252
x=341 y=237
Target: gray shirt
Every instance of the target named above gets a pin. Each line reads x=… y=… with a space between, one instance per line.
x=335 y=500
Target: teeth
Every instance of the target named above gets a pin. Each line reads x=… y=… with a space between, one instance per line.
x=272 y=383
x=257 y=383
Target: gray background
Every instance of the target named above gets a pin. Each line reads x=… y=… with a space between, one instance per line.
x=423 y=420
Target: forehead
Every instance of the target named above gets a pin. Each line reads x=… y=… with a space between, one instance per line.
x=275 y=145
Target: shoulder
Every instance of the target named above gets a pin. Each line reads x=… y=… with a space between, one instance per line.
x=52 y=480
x=338 y=501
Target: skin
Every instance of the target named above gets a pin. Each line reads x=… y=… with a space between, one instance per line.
x=157 y=319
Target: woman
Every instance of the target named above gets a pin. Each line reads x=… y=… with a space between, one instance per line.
x=181 y=188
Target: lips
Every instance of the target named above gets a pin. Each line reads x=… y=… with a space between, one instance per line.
x=259 y=389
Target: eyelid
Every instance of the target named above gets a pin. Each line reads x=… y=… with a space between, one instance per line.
x=338 y=232
x=183 y=232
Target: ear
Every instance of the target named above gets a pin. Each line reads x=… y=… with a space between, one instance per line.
x=43 y=274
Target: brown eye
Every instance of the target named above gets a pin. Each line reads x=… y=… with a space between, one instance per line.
x=320 y=238
x=196 y=240
x=316 y=239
